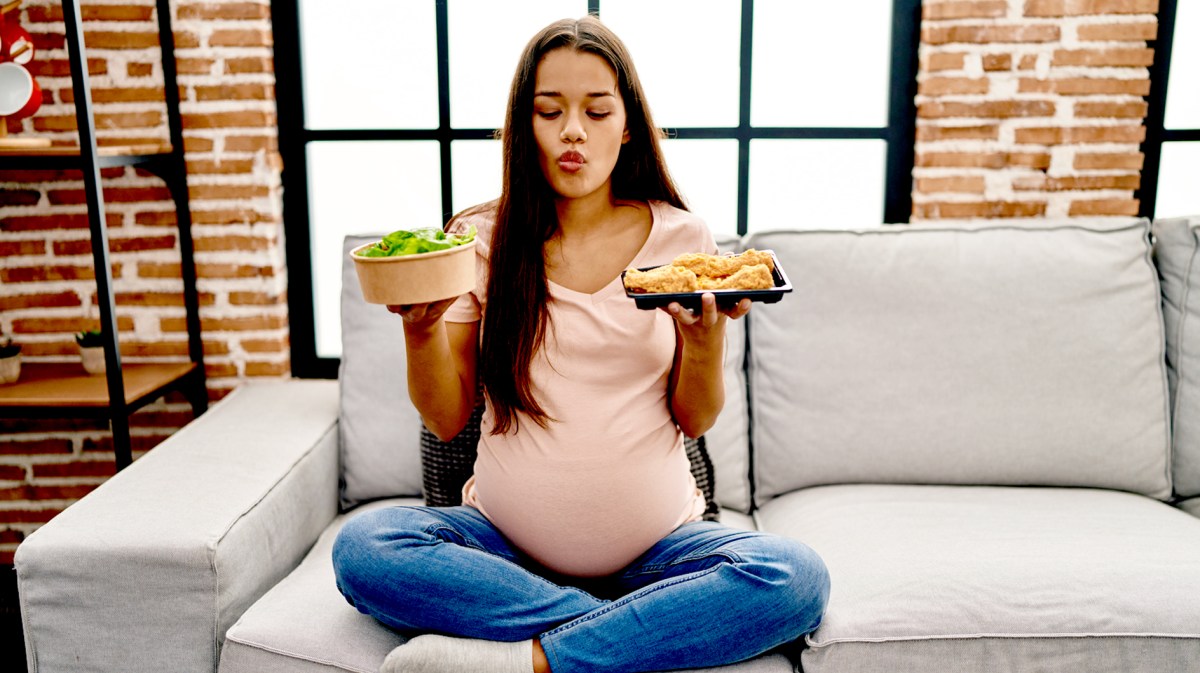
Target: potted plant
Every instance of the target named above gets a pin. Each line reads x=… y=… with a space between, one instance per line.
x=10 y=361
x=91 y=349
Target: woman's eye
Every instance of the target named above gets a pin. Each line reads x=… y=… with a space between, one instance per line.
x=598 y=115
x=548 y=114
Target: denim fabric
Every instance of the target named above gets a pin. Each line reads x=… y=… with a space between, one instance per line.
x=705 y=595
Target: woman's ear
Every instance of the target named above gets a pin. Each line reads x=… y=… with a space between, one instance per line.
x=625 y=135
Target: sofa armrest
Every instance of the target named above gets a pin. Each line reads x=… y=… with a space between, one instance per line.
x=148 y=571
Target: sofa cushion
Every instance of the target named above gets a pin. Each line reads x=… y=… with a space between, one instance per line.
x=380 y=429
x=938 y=578
x=305 y=625
x=1176 y=247
x=1000 y=354
x=1191 y=506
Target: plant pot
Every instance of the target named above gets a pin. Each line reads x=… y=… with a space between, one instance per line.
x=416 y=279
x=93 y=359
x=10 y=369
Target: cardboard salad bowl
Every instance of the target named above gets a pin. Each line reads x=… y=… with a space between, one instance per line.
x=416 y=279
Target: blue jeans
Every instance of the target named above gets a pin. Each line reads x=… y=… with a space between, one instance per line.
x=705 y=595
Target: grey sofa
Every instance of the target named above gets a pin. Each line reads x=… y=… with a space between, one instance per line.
x=972 y=424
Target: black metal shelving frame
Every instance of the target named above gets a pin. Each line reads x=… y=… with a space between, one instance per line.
x=171 y=167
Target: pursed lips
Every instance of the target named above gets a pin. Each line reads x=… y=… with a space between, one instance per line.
x=571 y=161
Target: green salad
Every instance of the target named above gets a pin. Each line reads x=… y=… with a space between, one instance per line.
x=416 y=241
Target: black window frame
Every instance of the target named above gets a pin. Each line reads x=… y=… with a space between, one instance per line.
x=899 y=134
x=1156 y=111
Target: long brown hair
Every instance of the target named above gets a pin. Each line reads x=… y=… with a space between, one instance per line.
x=517 y=315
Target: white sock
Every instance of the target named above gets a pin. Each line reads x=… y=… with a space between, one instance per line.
x=443 y=654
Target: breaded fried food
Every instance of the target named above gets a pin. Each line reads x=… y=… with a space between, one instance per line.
x=720 y=266
x=749 y=277
x=661 y=279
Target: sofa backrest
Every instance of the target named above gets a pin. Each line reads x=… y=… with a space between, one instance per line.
x=1176 y=248
x=379 y=427
x=1001 y=353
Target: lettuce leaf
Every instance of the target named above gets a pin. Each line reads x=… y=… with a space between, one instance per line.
x=417 y=241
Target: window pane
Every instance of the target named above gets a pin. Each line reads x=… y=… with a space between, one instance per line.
x=706 y=171
x=374 y=74
x=816 y=184
x=486 y=39
x=475 y=168
x=1183 y=95
x=795 y=43
x=363 y=187
x=686 y=53
x=1177 y=194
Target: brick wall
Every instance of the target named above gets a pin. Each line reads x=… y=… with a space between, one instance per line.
x=46 y=289
x=1031 y=107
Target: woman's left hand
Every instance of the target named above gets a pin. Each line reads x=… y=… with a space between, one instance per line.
x=708 y=322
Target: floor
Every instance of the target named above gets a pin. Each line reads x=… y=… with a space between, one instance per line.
x=12 y=644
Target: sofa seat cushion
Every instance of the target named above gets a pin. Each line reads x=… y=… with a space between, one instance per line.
x=303 y=625
x=1191 y=506
x=975 y=578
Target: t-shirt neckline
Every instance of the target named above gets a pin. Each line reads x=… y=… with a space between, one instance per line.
x=614 y=286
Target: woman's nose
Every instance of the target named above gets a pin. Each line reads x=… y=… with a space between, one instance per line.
x=572 y=130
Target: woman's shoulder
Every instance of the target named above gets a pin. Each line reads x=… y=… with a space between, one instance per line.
x=681 y=228
x=483 y=218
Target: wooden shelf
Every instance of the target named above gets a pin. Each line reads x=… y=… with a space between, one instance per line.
x=73 y=151
x=65 y=386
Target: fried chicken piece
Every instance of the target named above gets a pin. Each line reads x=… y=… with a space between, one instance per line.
x=661 y=279
x=720 y=266
x=749 y=277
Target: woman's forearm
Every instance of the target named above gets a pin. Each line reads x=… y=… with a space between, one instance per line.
x=440 y=383
x=699 y=389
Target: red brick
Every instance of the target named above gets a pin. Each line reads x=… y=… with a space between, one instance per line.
x=1132 y=57
x=1087 y=7
x=934 y=34
x=945 y=61
x=135 y=244
x=937 y=86
x=14 y=248
x=1085 y=86
x=100 y=39
x=252 y=37
x=78 y=468
x=1043 y=183
x=989 y=209
x=49 y=325
x=250 y=65
x=9 y=536
x=1028 y=62
x=973 y=184
x=251 y=143
x=219 y=167
x=1001 y=109
x=53 y=14
x=997 y=62
x=255 y=298
x=139 y=69
x=195 y=66
x=39 y=300
x=31 y=447
x=929 y=132
x=246 y=324
x=932 y=11
x=1104 y=207
x=236 y=92
x=27 y=515
x=12 y=473
x=1135 y=110
x=33 y=492
x=1119 y=32
x=254 y=368
x=19 y=197
x=1109 y=160
x=1069 y=135
x=228 y=192
x=264 y=345
x=225 y=11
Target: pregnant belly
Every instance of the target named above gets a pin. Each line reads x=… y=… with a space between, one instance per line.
x=585 y=519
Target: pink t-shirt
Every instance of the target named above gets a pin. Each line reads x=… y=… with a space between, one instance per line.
x=609 y=477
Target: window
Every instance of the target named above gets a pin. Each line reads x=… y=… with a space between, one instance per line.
x=762 y=131
x=1172 y=146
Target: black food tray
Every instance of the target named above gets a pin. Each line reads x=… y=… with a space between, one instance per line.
x=725 y=298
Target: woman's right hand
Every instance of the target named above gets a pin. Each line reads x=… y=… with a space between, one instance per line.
x=421 y=317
